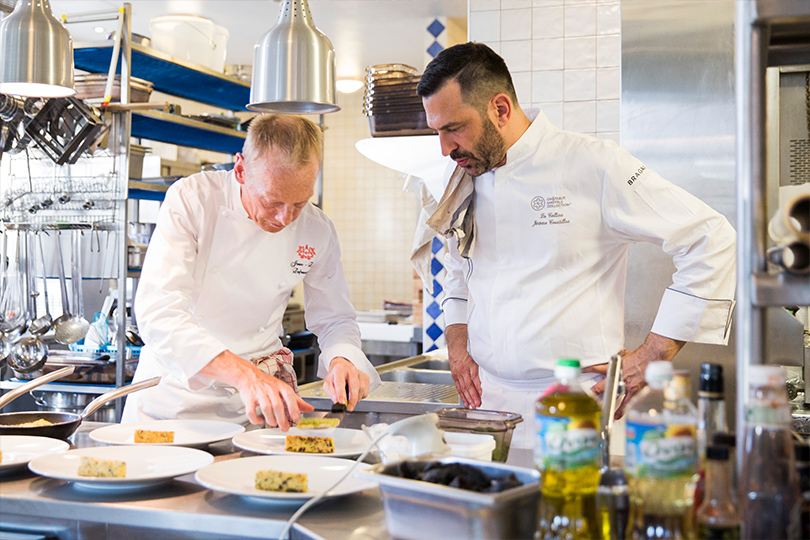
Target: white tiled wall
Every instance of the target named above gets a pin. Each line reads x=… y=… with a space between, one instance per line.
x=564 y=56
x=374 y=217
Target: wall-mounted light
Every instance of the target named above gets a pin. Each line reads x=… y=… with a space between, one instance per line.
x=36 y=52
x=348 y=86
x=293 y=66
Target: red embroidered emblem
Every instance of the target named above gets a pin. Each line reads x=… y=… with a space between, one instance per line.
x=306 y=252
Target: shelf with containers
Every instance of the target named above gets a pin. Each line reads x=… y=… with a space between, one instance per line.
x=111 y=200
x=772 y=37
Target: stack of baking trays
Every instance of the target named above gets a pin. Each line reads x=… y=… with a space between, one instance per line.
x=391 y=103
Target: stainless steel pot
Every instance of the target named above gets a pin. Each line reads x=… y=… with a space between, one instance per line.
x=72 y=402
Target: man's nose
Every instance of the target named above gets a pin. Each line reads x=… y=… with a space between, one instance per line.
x=447 y=143
x=286 y=215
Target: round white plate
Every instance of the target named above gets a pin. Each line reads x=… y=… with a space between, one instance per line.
x=348 y=442
x=18 y=450
x=192 y=433
x=146 y=465
x=238 y=476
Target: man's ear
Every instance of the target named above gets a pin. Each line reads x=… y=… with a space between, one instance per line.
x=501 y=109
x=239 y=168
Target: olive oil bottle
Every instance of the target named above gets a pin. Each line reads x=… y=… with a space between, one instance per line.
x=566 y=451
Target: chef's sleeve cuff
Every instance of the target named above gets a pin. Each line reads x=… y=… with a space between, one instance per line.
x=685 y=317
x=455 y=311
x=353 y=355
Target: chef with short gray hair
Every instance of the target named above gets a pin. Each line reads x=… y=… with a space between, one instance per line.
x=228 y=250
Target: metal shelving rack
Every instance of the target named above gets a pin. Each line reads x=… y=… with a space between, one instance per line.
x=769 y=33
x=171 y=76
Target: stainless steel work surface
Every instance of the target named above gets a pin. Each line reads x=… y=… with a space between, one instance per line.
x=414 y=385
x=180 y=505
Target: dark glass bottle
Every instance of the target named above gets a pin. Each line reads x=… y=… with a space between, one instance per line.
x=717 y=517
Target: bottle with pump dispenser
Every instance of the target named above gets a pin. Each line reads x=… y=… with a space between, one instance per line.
x=662 y=456
x=566 y=450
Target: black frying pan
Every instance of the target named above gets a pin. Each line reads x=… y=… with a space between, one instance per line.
x=63 y=424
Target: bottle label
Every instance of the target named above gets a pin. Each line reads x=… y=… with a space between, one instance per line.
x=565 y=443
x=660 y=450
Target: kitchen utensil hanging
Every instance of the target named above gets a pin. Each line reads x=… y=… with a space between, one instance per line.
x=65 y=128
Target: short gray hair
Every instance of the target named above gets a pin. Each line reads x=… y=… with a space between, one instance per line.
x=299 y=138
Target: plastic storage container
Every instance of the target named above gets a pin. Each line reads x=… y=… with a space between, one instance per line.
x=423 y=511
x=498 y=424
x=186 y=37
x=470 y=445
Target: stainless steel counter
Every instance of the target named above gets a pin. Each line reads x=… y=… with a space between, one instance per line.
x=182 y=509
x=178 y=509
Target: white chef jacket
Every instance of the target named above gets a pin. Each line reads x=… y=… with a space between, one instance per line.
x=546 y=279
x=212 y=280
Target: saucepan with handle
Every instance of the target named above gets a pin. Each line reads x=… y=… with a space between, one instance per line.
x=10 y=396
x=62 y=425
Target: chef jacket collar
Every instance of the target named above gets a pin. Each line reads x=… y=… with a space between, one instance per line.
x=527 y=144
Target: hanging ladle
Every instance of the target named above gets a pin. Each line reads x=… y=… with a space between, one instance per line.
x=29 y=353
x=74 y=328
x=61 y=323
x=40 y=326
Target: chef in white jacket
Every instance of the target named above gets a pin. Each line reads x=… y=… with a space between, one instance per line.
x=540 y=221
x=228 y=249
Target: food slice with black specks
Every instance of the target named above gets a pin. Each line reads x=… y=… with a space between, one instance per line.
x=270 y=480
x=309 y=445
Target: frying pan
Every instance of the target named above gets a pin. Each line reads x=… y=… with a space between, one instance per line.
x=63 y=424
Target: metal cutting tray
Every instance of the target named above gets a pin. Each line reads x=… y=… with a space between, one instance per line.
x=446 y=512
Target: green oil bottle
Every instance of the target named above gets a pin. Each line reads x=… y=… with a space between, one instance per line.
x=566 y=451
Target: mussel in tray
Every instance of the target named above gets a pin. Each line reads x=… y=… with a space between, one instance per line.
x=457 y=475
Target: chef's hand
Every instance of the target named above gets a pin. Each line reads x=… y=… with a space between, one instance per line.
x=276 y=399
x=462 y=366
x=655 y=348
x=342 y=375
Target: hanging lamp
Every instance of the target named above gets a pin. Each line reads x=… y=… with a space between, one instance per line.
x=36 y=52
x=293 y=66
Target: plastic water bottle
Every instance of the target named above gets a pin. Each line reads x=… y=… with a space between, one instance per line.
x=566 y=450
x=769 y=484
x=661 y=457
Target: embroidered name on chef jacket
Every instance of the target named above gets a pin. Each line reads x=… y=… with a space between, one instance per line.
x=304 y=261
x=552 y=210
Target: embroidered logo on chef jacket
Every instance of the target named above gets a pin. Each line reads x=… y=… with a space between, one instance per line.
x=634 y=177
x=557 y=216
x=304 y=263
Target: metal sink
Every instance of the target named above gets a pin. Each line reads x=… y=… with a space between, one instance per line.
x=438 y=365
x=404 y=390
x=418 y=376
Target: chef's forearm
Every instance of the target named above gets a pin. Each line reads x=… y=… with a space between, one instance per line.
x=456 y=338
x=230 y=369
x=659 y=348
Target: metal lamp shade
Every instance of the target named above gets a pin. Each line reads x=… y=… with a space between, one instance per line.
x=293 y=66
x=36 y=52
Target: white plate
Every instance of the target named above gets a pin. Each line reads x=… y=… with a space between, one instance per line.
x=348 y=442
x=237 y=476
x=18 y=450
x=186 y=432
x=146 y=465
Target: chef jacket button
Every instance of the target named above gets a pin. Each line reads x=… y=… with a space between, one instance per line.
x=282 y=284
x=262 y=329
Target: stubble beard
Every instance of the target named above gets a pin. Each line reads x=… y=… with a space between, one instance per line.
x=488 y=152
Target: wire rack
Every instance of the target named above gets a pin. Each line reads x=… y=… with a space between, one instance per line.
x=37 y=193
